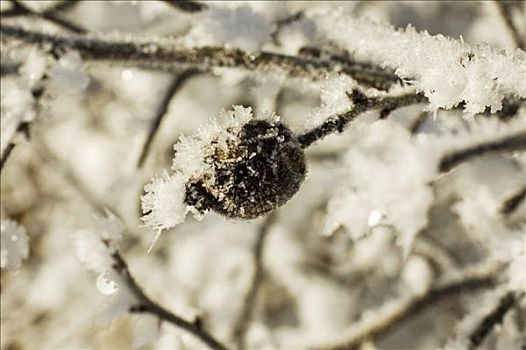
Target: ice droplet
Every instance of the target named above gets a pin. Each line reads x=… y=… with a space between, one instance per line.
x=105 y=285
x=126 y=74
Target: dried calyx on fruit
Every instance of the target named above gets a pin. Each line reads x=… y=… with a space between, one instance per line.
x=237 y=165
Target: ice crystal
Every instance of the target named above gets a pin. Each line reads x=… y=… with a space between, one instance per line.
x=446 y=70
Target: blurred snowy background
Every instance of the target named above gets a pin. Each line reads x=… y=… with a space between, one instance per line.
x=373 y=231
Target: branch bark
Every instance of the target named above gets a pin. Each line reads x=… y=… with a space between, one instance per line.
x=50 y=14
x=471 y=279
x=245 y=318
x=146 y=305
x=362 y=104
x=167 y=54
x=493 y=318
x=515 y=142
x=175 y=86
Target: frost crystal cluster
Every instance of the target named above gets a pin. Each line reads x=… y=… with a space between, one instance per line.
x=385 y=208
x=446 y=70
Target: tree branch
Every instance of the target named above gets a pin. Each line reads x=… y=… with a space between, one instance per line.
x=146 y=305
x=167 y=54
x=504 y=10
x=175 y=85
x=362 y=104
x=513 y=202
x=22 y=128
x=245 y=318
x=20 y=9
x=187 y=6
x=282 y=23
x=493 y=318
x=471 y=279
x=516 y=142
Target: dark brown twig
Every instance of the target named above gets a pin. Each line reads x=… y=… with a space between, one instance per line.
x=515 y=142
x=167 y=54
x=245 y=318
x=506 y=15
x=50 y=14
x=187 y=6
x=362 y=103
x=513 y=202
x=22 y=128
x=468 y=280
x=146 y=305
x=418 y=122
x=282 y=23
x=9 y=68
x=175 y=85
x=490 y=320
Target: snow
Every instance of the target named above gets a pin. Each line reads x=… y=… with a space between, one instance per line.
x=343 y=252
x=163 y=202
x=237 y=26
x=68 y=73
x=93 y=245
x=446 y=70
x=385 y=150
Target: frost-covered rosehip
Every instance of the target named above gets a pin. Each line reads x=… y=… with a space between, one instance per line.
x=261 y=169
x=238 y=166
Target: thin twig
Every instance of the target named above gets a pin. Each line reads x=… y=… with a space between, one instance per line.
x=485 y=326
x=344 y=58
x=418 y=122
x=505 y=13
x=471 y=279
x=362 y=104
x=9 y=68
x=515 y=142
x=23 y=128
x=282 y=23
x=166 y=53
x=146 y=305
x=245 y=318
x=513 y=202
x=20 y=9
x=174 y=87
x=187 y=6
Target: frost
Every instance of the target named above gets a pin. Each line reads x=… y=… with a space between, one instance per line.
x=15 y=245
x=68 y=74
x=238 y=26
x=34 y=67
x=190 y=152
x=418 y=275
x=92 y=245
x=446 y=70
x=334 y=98
x=385 y=149
x=163 y=202
x=378 y=242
